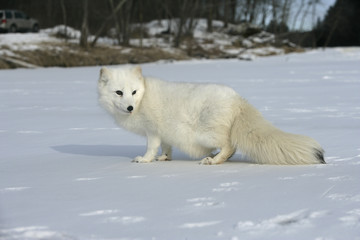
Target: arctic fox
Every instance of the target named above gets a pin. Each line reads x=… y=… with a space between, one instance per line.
x=197 y=119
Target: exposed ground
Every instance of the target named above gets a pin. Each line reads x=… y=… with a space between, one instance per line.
x=55 y=47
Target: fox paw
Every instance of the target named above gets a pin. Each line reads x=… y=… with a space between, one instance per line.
x=207 y=161
x=163 y=157
x=140 y=159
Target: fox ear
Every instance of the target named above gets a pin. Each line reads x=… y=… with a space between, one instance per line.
x=104 y=75
x=137 y=70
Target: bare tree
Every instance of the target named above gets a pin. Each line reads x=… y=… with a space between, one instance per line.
x=117 y=26
x=63 y=9
x=302 y=4
x=233 y=4
x=191 y=23
x=84 y=26
x=274 y=8
x=186 y=24
x=252 y=9
x=313 y=13
x=285 y=11
x=209 y=6
x=264 y=11
x=169 y=15
x=305 y=13
x=106 y=21
x=245 y=10
x=226 y=12
x=141 y=18
x=125 y=22
x=181 y=22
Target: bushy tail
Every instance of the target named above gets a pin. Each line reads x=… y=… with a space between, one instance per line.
x=262 y=142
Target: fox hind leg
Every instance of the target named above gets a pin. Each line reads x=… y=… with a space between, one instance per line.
x=166 y=153
x=225 y=153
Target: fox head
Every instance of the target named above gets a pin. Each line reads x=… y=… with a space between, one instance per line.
x=121 y=90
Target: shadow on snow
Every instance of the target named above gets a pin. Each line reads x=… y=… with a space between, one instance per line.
x=129 y=151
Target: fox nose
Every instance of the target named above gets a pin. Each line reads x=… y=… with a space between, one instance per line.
x=130 y=108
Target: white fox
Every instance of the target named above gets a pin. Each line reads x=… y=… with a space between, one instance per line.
x=198 y=119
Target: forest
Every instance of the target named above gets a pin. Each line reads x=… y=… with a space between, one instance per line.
x=282 y=17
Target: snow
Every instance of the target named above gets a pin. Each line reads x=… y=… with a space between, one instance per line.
x=67 y=31
x=66 y=170
x=24 y=42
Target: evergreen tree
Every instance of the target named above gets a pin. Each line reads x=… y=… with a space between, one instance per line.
x=341 y=25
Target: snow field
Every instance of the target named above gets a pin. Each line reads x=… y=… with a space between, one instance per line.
x=66 y=171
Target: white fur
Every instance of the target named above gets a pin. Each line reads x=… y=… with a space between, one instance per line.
x=198 y=119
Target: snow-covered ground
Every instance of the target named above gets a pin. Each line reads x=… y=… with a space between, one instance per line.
x=65 y=170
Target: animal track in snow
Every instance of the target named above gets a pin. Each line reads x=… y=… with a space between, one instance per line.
x=344 y=197
x=310 y=175
x=91 y=129
x=330 y=158
x=14 y=189
x=31 y=232
x=87 y=179
x=204 y=202
x=169 y=175
x=352 y=218
x=301 y=218
x=286 y=178
x=99 y=213
x=299 y=110
x=229 y=184
x=306 y=175
x=226 y=187
x=226 y=171
x=343 y=159
x=29 y=132
x=339 y=178
x=135 y=177
x=199 y=224
x=77 y=129
x=125 y=219
x=111 y=216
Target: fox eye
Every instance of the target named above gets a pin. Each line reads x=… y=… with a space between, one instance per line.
x=118 y=92
x=134 y=92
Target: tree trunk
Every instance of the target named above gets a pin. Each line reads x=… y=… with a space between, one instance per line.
x=253 y=11
x=191 y=23
x=264 y=11
x=209 y=16
x=141 y=23
x=116 y=22
x=84 y=26
x=226 y=13
x=304 y=15
x=298 y=13
x=274 y=15
x=125 y=23
x=105 y=22
x=63 y=9
x=182 y=19
x=233 y=11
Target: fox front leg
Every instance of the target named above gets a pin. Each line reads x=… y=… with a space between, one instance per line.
x=165 y=153
x=153 y=144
